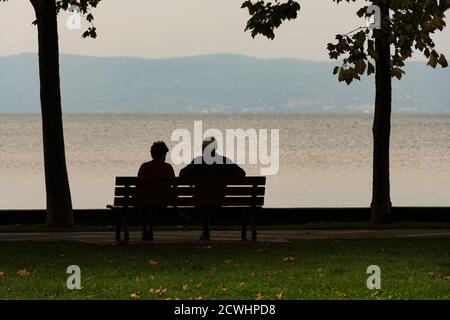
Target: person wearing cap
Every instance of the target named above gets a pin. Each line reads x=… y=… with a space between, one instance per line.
x=210 y=164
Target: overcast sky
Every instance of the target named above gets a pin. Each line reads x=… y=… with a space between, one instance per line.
x=155 y=29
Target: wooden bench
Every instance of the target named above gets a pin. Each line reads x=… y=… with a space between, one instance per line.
x=133 y=193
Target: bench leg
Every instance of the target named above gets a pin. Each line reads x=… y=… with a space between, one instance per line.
x=118 y=224
x=206 y=214
x=253 y=226
x=147 y=223
x=151 y=219
x=144 y=220
x=244 y=227
x=126 y=234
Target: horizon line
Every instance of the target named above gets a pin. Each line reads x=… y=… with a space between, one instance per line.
x=188 y=56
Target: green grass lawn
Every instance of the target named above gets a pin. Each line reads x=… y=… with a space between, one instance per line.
x=314 y=269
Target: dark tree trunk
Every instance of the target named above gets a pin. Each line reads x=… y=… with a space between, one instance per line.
x=59 y=203
x=381 y=199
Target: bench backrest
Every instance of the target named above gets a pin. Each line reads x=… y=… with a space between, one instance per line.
x=190 y=192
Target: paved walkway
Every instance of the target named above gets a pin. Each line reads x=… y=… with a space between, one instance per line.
x=229 y=236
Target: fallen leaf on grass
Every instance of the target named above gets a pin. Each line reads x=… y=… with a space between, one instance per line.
x=2 y=274
x=343 y=296
x=185 y=286
x=176 y=298
x=23 y=273
x=376 y=293
x=222 y=288
x=279 y=296
x=211 y=270
x=241 y=285
x=228 y=261
x=199 y=285
x=159 y=290
x=289 y=259
x=136 y=295
x=259 y=296
x=447 y=277
x=153 y=262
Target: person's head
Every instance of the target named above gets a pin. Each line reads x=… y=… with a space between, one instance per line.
x=159 y=150
x=209 y=145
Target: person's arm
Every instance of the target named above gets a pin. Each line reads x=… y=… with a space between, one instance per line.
x=172 y=172
x=232 y=169
x=187 y=171
x=235 y=171
x=141 y=170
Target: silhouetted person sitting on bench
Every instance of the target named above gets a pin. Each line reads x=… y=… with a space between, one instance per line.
x=156 y=168
x=210 y=164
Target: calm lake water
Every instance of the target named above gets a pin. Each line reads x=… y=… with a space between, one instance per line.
x=324 y=160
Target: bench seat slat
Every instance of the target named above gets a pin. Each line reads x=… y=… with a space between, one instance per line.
x=186 y=191
x=189 y=201
x=132 y=181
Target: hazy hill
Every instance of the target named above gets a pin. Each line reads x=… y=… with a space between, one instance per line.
x=213 y=83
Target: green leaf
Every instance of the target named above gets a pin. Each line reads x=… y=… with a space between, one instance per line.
x=360 y=66
x=397 y=72
x=370 y=68
x=432 y=61
x=443 y=61
x=342 y=75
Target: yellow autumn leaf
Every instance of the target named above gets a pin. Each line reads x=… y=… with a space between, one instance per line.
x=136 y=295
x=241 y=285
x=279 y=296
x=185 y=286
x=259 y=296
